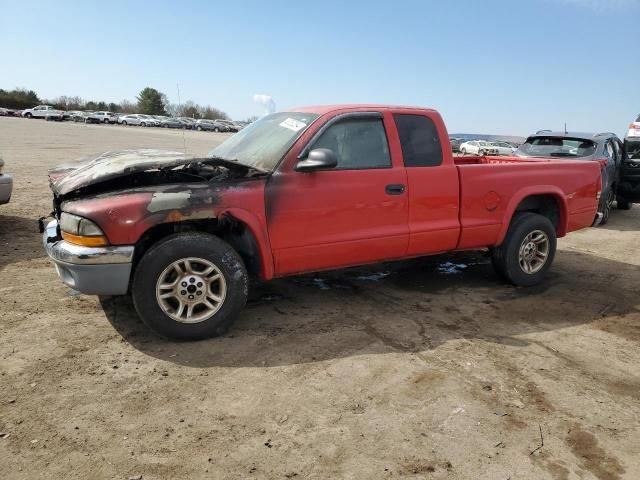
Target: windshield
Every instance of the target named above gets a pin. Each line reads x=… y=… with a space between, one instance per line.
x=556 y=147
x=632 y=147
x=263 y=143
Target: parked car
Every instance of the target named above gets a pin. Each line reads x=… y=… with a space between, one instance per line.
x=131 y=119
x=7 y=112
x=68 y=114
x=604 y=148
x=80 y=116
x=629 y=189
x=504 y=148
x=170 y=122
x=231 y=126
x=455 y=144
x=187 y=122
x=148 y=120
x=102 y=117
x=43 y=111
x=6 y=185
x=301 y=191
x=478 y=147
x=634 y=128
x=205 y=124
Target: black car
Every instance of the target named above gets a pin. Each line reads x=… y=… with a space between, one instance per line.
x=605 y=148
x=455 y=144
x=629 y=189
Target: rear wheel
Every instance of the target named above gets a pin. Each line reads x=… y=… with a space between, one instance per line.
x=528 y=250
x=216 y=129
x=190 y=286
x=623 y=204
x=199 y=128
x=463 y=151
x=481 y=153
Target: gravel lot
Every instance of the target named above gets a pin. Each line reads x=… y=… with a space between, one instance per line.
x=430 y=368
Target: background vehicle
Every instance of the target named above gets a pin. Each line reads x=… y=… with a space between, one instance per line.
x=478 y=147
x=634 y=128
x=205 y=124
x=455 y=144
x=102 y=117
x=43 y=111
x=231 y=127
x=148 y=121
x=503 y=148
x=170 y=122
x=131 y=119
x=313 y=189
x=6 y=185
x=605 y=148
x=187 y=122
x=629 y=189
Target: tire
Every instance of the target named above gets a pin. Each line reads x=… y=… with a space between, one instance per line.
x=124 y=122
x=507 y=257
x=623 y=204
x=199 y=128
x=216 y=129
x=105 y=121
x=481 y=153
x=463 y=151
x=606 y=206
x=28 y=115
x=203 y=251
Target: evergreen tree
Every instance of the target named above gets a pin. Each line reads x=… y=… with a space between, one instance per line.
x=150 y=102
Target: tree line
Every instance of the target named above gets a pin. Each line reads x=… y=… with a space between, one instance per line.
x=149 y=101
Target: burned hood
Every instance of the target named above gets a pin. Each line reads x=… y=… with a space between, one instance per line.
x=109 y=165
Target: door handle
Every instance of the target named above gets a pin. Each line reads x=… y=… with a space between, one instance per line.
x=394 y=189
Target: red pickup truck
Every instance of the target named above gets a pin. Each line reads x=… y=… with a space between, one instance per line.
x=305 y=190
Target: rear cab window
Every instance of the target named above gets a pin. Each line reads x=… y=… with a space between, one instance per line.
x=419 y=140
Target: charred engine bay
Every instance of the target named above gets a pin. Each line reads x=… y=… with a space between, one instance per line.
x=200 y=170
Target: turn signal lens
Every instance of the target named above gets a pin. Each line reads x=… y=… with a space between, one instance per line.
x=96 y=241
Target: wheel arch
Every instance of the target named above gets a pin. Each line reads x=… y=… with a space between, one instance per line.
x=548 y=201
x=238 y=228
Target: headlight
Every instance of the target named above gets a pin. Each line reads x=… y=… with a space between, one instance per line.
x=81 y=231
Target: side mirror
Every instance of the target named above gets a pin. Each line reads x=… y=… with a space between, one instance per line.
x=318 y=159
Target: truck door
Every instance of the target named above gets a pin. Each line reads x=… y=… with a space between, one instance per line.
x=433 y=184
x=352 y=214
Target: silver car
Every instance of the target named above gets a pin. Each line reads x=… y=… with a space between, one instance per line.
x=131 y=119
x=6 y=185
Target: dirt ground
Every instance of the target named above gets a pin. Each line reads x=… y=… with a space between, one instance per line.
x=430 y=368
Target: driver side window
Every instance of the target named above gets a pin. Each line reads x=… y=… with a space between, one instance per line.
x=358 y=143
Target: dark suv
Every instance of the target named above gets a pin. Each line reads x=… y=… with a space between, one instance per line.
x=605 y=148
x=629 y=189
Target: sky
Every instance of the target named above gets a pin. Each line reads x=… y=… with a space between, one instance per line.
x=496 y=66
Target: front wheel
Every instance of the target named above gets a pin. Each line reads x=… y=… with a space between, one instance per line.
x=607 y=205
x=190 y=286
x=463 y=151
x=28 y=115
x=528 y=250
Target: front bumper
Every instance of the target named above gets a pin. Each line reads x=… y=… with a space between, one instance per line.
x=90 y=270
x=6 y=187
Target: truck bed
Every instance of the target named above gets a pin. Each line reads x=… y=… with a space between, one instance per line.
x=492 y=187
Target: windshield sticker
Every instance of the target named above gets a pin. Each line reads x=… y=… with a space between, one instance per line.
x=293 y=124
